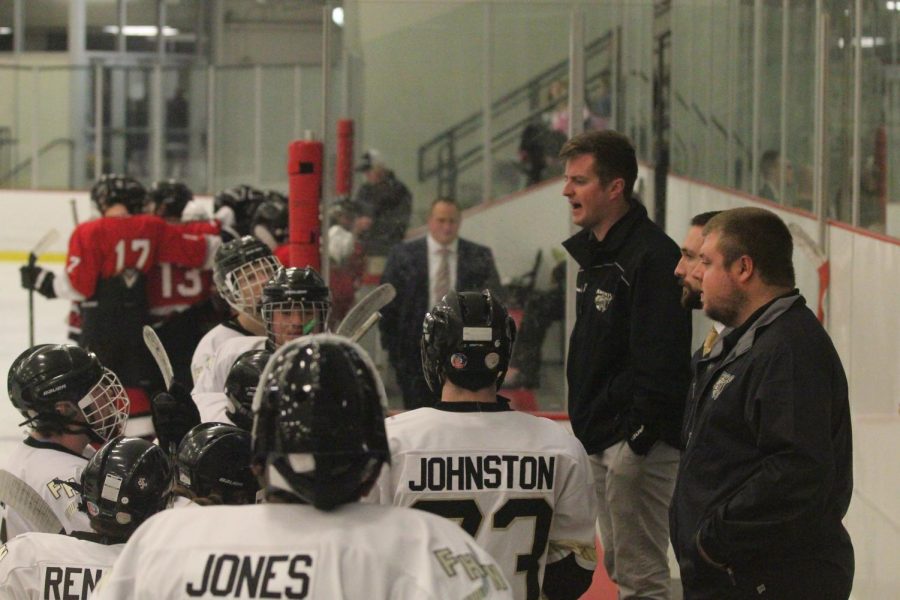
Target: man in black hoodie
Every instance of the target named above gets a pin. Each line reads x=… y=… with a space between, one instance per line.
x=629 y=354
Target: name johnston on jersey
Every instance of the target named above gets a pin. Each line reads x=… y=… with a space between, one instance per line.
x=490 y=471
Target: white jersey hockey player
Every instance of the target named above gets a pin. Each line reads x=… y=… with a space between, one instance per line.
x=312 y=539
x=241 y=268
x=125 y=482
x=212 y=466
x=69 y=400
x=520 y=484
x=294 y=302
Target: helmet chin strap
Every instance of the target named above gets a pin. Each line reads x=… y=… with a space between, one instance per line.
x=67 y=424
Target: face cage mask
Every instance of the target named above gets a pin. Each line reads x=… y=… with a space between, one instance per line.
x=297 y=318
x=105 y=406
x=244 y=285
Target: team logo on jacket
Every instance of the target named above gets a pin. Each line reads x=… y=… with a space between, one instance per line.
x=602 y=300
x=724 y=379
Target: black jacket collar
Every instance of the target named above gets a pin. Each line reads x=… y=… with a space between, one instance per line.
x=585 y=248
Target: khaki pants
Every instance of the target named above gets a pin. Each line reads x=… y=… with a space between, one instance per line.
x=634 y=493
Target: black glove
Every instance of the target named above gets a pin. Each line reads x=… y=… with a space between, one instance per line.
x=640 y=436
x=37 y=279
x=174 y=414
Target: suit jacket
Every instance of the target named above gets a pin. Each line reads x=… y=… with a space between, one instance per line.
x=407 y=270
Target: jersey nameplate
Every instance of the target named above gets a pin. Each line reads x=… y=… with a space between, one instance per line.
x=65 y=582
x=255 y=575
x=491 y=471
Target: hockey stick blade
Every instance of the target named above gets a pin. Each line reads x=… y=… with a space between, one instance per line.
x=19 y=496
x=154 y=345
x=45 y=242
x=364 y=309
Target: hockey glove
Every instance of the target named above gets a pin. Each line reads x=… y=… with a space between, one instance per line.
x=37 y=279
x=174 y=414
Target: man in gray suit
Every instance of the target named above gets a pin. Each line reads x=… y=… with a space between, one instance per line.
x=422 y=271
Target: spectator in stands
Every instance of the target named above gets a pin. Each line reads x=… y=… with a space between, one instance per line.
x=542 y=308
x=770 y=169
x=385 y=202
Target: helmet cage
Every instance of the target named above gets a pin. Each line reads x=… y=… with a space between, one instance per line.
x=242 y=287
x=105 y=406
x=297 y=318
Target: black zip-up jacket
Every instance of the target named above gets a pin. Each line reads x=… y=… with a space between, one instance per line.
x=629 y=354
x=766 y=475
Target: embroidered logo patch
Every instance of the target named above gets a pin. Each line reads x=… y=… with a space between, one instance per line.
x=724 y=379
x=459 y=361
x=602 y=300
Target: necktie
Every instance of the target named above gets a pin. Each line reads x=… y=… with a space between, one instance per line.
x=710 y=341
x=442 y=278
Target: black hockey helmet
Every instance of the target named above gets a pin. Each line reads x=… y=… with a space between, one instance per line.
x=241 y=268
x=169 y=198
x=241 y=384
x=270 y=220
x=213 y=464
x=318 y=428
x=113 y=189
x=126 y=482
x=242 y=200
x=468 y=338
x=48 y=373
x=300 y=295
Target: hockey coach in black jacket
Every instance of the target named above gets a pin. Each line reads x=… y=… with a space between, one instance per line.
x=766 y=475
x=629 y=359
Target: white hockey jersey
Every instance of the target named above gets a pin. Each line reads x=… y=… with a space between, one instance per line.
x=520 y=484
x=38 y=463
x=210 y=343
x=212 y=378
x=39 y=566
x=297 y=551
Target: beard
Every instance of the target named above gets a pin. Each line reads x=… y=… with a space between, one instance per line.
x=690 y=298
x=728 y=309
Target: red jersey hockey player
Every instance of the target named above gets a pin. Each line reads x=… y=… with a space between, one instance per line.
x=105 y=269
x=181 y=304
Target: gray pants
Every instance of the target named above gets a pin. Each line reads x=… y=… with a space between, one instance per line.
x=634 y=493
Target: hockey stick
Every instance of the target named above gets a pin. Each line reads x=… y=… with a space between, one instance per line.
x=357 y=318
x=38 y=249
x=22 y=498
x=154 y=345
x=74 y=206
x=365 y=327
x=819 y=258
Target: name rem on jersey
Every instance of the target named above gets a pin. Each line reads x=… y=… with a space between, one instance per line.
x=253 y=576
x=479 y=472
x=66 y=582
